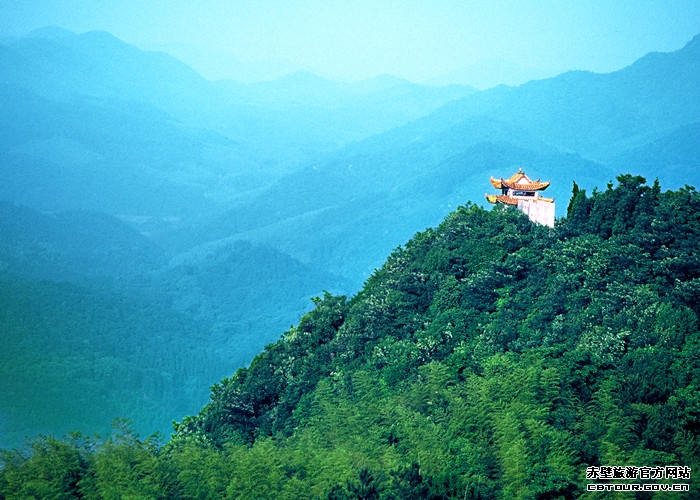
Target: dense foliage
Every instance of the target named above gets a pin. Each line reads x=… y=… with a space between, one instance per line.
x=488 y=358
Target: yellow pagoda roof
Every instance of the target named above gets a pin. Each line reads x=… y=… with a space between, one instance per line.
x=519 y=181
x=508 y=200
x=501 y=198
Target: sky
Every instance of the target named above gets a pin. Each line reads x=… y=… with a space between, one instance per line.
x=420 y=40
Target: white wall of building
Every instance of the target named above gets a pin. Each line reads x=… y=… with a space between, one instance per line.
x=538 y=211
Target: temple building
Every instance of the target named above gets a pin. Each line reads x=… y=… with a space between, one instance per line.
x=521 y=192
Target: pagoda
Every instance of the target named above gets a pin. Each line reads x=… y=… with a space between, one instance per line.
x=521 y=192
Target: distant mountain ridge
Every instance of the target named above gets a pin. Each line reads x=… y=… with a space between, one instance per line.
x=588 y=112
x=266 y=129
x=71 y=246
x=578 y=125
x=93 y=63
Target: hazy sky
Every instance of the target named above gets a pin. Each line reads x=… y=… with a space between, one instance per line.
x=356 y=39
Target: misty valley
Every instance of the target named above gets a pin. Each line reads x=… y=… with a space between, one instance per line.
x=229 y=264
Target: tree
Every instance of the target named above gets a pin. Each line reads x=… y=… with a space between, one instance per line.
x=46 y=468
x=125 y=466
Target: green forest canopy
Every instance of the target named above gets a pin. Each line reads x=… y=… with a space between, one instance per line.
x=488 y=358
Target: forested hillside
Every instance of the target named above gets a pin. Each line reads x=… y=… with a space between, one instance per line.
x=487 y=358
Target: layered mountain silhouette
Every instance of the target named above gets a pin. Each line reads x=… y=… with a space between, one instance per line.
x=579 y=125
